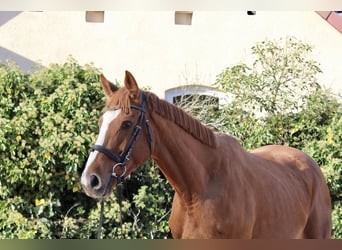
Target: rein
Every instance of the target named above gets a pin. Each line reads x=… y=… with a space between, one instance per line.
x=122 y=159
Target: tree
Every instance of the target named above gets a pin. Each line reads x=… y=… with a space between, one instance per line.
x=277 y=100
x=281 y=75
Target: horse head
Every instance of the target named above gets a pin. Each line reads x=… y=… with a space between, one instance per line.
x=123 y=143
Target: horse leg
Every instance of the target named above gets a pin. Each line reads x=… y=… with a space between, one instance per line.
x=177 y=218
x=319 y=221
x=318 y=225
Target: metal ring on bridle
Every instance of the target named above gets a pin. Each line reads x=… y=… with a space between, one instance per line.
x=123 y=167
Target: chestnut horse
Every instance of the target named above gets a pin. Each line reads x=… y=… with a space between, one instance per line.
x=221 y=190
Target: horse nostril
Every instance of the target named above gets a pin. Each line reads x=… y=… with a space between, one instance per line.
x=95 y=182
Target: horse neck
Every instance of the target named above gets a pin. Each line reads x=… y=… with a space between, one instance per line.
x=180 y=157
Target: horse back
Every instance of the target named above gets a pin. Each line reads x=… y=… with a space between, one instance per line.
x=294 y=161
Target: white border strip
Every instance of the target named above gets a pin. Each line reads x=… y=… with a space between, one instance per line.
x=170 y=5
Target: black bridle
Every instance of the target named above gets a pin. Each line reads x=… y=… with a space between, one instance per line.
x=122 y=158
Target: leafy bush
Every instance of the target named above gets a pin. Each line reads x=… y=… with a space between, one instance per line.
x=47 y=130
x=49 y=119
x=49 y=122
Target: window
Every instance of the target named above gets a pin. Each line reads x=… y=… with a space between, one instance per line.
x=200 y=101
x=95 y=16
x=196 y=102
x=183 y=17
x=201 y=93
x=251 y=13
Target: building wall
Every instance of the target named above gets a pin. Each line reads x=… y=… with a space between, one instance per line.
x=158 y=52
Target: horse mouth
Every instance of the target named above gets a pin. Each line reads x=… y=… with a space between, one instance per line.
x=96 y=188
x=98 y=194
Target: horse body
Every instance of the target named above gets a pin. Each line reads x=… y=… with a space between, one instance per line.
x=231 y=193
x=221 y=190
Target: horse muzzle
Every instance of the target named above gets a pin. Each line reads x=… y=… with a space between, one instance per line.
x=96 y=187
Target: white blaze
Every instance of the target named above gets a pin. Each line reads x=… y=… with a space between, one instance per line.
x=108 y=117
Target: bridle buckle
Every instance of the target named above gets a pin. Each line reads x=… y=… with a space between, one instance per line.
x=123 y=167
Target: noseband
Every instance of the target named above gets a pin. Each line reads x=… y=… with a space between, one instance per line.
x=122 y=159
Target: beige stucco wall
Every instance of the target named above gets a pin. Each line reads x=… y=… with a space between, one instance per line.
x=164 y=55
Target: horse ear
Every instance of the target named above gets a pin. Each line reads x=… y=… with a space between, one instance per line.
x=131 y=85
x=108 y=87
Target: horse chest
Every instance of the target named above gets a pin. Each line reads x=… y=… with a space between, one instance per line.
x=208 y=220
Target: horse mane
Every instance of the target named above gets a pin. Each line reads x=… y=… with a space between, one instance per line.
x=182 y=119
x=173 y=113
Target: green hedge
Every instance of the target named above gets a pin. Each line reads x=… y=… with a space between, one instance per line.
x=48 y=123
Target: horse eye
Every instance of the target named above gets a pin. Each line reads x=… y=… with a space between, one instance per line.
x=126 y=125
